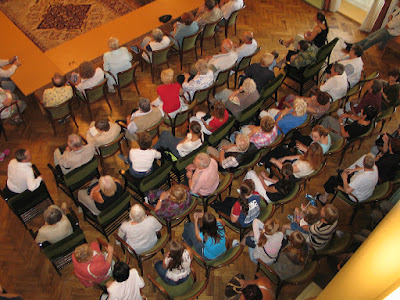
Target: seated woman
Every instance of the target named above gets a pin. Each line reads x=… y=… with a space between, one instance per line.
x=239 y=100
x=102 y=132
x=101 y=194
x=118 y=59
x=174 y=269
x=233 y=155
x=292 y=257
x=260 y=136
x=267 y=241
x=157 y=41
x=126 y=285
x=317 y=36
x=388 y=160
x=360 y=125
x=319 y=134
x=91 y=266
x=210 y=123
x=303 y=164
x=322 y=231
x=186 y=27
x=208 y=239
x=5 y=101
x=140 y=232
x=243 y=210
x=87 y=76
x=56 y=227
x=391 y=88
x=304 y=55
x=169 y=99
x=273 y=190
x=181 y=147
x=203 y=78
x=172 y=202
x=288 y=118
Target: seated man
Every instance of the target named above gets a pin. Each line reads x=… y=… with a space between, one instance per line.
x=20 y=176
x=5 y=101
x=74 y=155
x=358 y=180
x=102 y=132
x=56 y=227
x=5 y=81
x=372 y=97
x=143 y=118
x=336 y=85
x=248 y=46
x=203 y=78
x=225 y=60
x=353 y=64
x=304 y=56
x=59 y=93
x=203 y=175
x=229 y=7
x=208 y=13
x=261 y=72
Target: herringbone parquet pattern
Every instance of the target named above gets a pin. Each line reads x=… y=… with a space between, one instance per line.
x=24 y=269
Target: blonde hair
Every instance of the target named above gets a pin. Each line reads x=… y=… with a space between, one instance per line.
x=267 y=59
x=270 y=228
x=242 y=142
x=113 y=43
x=331 y=214
x=137 y=213
x=202 y=66
x=267 y=123
x=167 y=76
x=312 y=215
x=107 y=185
x=321 y=130
x=314 y=156
x=369 y=161
x=177 y=193
x=249 y=86
x=300 y=107
x=83 y=253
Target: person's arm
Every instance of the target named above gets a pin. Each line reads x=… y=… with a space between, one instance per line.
x=163 y=196
x=110 y=250
x=95 y=194
x=385 y=139
x=196 y=216
x=11 y=70
x=235 y=212
x=268 y=188
x=346 y=186
x=310 y=36
x=32 y=182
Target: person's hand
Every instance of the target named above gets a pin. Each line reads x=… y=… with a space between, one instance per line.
x=110 y=249
x=67 y=149
x=385 y=138
x=273 y=161
x=17 y=63
x=189 y=174
x=190 y=167
x=187 y=75
x=197 y=216
x=163 y=196
x=242 y=283
x=301 y=147
x=282 y=159
x=12 y=59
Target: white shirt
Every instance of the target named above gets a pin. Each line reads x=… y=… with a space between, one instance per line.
x=246 y=50
x=91 y=82
x=142 y=160
x=394 y=24
x=272 y=246
x=353 y=68
x=182 y=271
x=21 y=177
x=156 y=46
x=336 y=86
x=363 y=182
x=224 y=61
x=188 y=146
x=128 y=289
x=10 y=71
x=142 y=236
x=228 y=8
x=117 y=60
x=198 y=82
x=304 y=168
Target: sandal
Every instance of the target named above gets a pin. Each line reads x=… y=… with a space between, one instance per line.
x=318 y=196
x=282 y=42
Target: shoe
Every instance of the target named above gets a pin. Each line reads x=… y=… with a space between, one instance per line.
x=16 y=121
x=291 y=218
x=80 y=210
x=348 y=46
x=235 y=243
x=61 y=121
x=282 y=42
x=123 y=158
x=318 y=196
x=275 y=54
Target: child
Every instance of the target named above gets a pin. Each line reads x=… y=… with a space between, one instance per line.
x=301 y=220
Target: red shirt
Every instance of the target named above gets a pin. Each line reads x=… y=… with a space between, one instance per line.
x=216 y=123
x=98 y=267
x=169 y=94
x=369 y=99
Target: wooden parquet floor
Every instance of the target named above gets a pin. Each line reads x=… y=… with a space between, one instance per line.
x=25 y=270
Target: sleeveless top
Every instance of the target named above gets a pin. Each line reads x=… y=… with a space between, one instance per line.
x=108 y=200
x=320 y=38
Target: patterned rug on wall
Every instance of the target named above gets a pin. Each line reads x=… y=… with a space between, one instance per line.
x=49 y=23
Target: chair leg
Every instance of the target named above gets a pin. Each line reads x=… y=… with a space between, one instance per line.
x=105 y=97
x=140 y=263
x=2 y=129
x=201 y=47
x=195 y=51
x=134 y=81
x=181 y=57
x=215 y=40
x=235 y=77
x=119 y=95
x=353 y=215
x=53 y=125
x=73 y=118
x=90 y=112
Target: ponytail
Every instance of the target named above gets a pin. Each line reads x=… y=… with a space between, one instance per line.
x=270 y=228
x=246 y=188
x=321 y=17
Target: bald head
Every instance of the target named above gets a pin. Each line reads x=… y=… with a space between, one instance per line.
x=247 y=37
x=226 y=46
x=58 y=80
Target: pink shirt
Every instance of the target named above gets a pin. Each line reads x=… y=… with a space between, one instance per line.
x=205 y=181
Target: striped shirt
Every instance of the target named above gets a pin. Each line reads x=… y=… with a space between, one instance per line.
x=321 y=234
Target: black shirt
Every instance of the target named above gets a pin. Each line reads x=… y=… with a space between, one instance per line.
x=261 y=75
x=279 y=186
x=355 y=129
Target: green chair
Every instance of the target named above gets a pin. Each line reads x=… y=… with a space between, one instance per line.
x=356 y=89
x=337 y=245
x=232 y=20
x=333 y=107
x=159 y=246
x=110 y=218
x=203 y=95
x=180 y=165
x=310 y=269
x=270 y=91
x=223 y=78
x=227 y=258
x=336 y=146
x=93 y=95
x=188 y=43
x=374 y=75
x=249 y=113
x=266 y=211
x=60 y=253
x=126 y=78
x=58 y=112
x=244 y=63
x=326 y=50
x=314 y=174
x=289 y=134
x=16 y=113
x=157 y=179
x=289 y=198
x=381 y=192
x=190 y=289
x=155 y=130
x=77 y=179
x=110 y=149
x=216 y=137
x=180 y=118
x=208 y=33
x=385 y=115
x=28 y=205
x=157 y=58
x=225 y=180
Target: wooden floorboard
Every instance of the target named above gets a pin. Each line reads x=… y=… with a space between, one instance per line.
x=26 y=270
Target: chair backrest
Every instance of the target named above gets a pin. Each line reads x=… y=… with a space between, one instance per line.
x=156 y=179
x=209 y=29
x=78 y=177
x=160 y=57
x=155 y=129
x=183 y=162
x=232 y=19
x=269 y=89
x=180 y=117
x=115 y=211
x=202 y=95
x=57 y=112
x=189 y=42
x=314 y=68
x=326 y=49
x=223 y=76
x=112 y=147
x=250 y=112
x=370 y=77
x=245 y=61
x=97 y=92
x=127 y=77
x=221 y=132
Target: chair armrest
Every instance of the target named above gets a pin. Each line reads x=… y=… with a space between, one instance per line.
x=272 y=271
x=216 y=158
x=74 y=216
x=147 y=206
x=340 y=188
x=109 y=73
x=223 y=215
x=83 y=138
x=124 y=245
x=195 y=253
x=33 y=233
x=157 y=285
x=102 y=243
x=36 y=171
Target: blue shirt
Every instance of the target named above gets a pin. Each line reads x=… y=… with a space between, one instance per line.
x=254 y=211
x=290 y=121
x=211 y=249
x=185 y=30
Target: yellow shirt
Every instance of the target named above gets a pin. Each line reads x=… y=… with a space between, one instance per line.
x=57 y=95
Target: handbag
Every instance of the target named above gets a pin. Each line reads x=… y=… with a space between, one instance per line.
x=234 y=289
